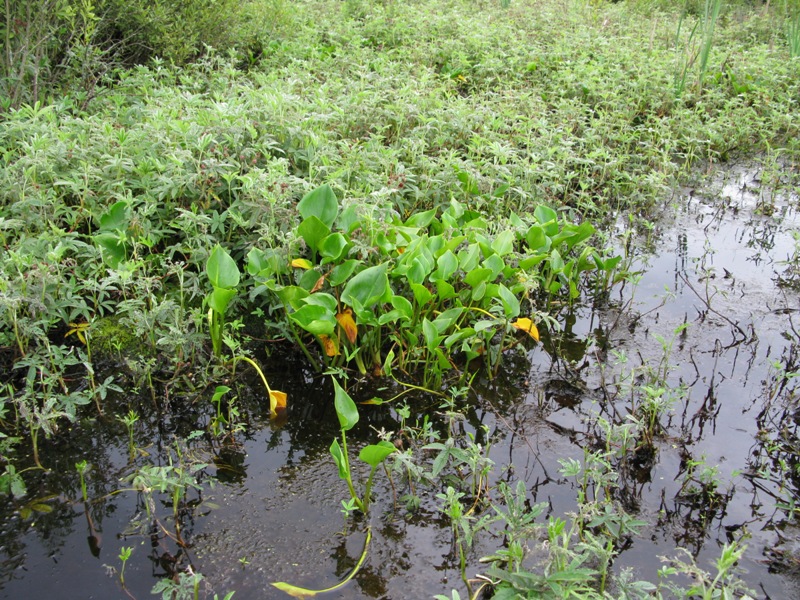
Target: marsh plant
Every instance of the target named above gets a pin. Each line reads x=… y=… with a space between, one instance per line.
x=367 y=294
x=373 y=455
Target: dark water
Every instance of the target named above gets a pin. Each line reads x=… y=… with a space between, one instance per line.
x=269 y=509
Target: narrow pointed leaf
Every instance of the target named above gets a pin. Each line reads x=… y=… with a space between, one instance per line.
x=345 y=407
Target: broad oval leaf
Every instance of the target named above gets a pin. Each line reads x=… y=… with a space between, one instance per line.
x=322 y=299
x=422 y=219
x=116 y=218
x=479 y=275
x=510 y=303
x=313 y=230
x=113 y=249
x=445 y=320
x=291 y=295
x=320 y=203
x=314 y=319
x=221 y=269
x=336 y=452
x=504 y=243
x=368 y=287
x=219 y=299
x=341 y=273
x=536 y=238
x=375 y=454
x=333 y=246
x=446 y=265
x=403 y=305
x=548 y=218
x=421 y=294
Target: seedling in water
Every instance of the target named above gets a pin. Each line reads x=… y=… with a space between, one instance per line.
x=124 y=555
x=373 y=455
x=82 y=467
x=129 y=421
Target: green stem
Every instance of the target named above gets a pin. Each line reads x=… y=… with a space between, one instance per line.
x=368 y=489
x=298 y=592
x=349 y=479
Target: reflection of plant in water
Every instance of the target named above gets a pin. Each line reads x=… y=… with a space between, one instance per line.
x=773 y=465
x=175 y=480
x=184 y=586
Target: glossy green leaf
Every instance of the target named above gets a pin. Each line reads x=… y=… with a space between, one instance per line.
x=483 y=325
x=419 y=269
x=313 y=230
x=338 y=457
x=422 y=219
x=404 y=306
x=446 y=265
x=310 y=280
x=422 y=295
x=219 y=392
x=479 y=291
x=444 y=290
x=556 y=262
x=342 y=272
x=510 y=302
x=531 y=261
x=368 y=287
x=291 y=295
x=446 y=319
x=113 y=249
x=345 y=407
x=315 y=319
x=375 y=454
x=455 y=337
x=221 y=269
x=334 y=246
x=320 y=203
x=536 y=238
x=504 y=243
x=548 y=218
x=496 y=264
x=265 y=264
x=469 y=257
x=219 y=299
x=325 y=300
x=479 y=275
x=430 y=334
x=116 y=218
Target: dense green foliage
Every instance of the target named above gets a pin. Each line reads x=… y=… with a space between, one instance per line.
x=431 y=171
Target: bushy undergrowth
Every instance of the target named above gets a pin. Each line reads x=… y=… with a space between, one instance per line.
x=112 y=201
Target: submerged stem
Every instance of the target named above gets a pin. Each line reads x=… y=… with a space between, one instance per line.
x=298 y=592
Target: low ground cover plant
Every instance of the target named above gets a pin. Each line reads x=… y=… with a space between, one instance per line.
x=407 y=192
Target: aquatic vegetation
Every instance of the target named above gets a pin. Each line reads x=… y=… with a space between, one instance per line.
x=445 y=204
x=450 y=279
x=373 y=455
